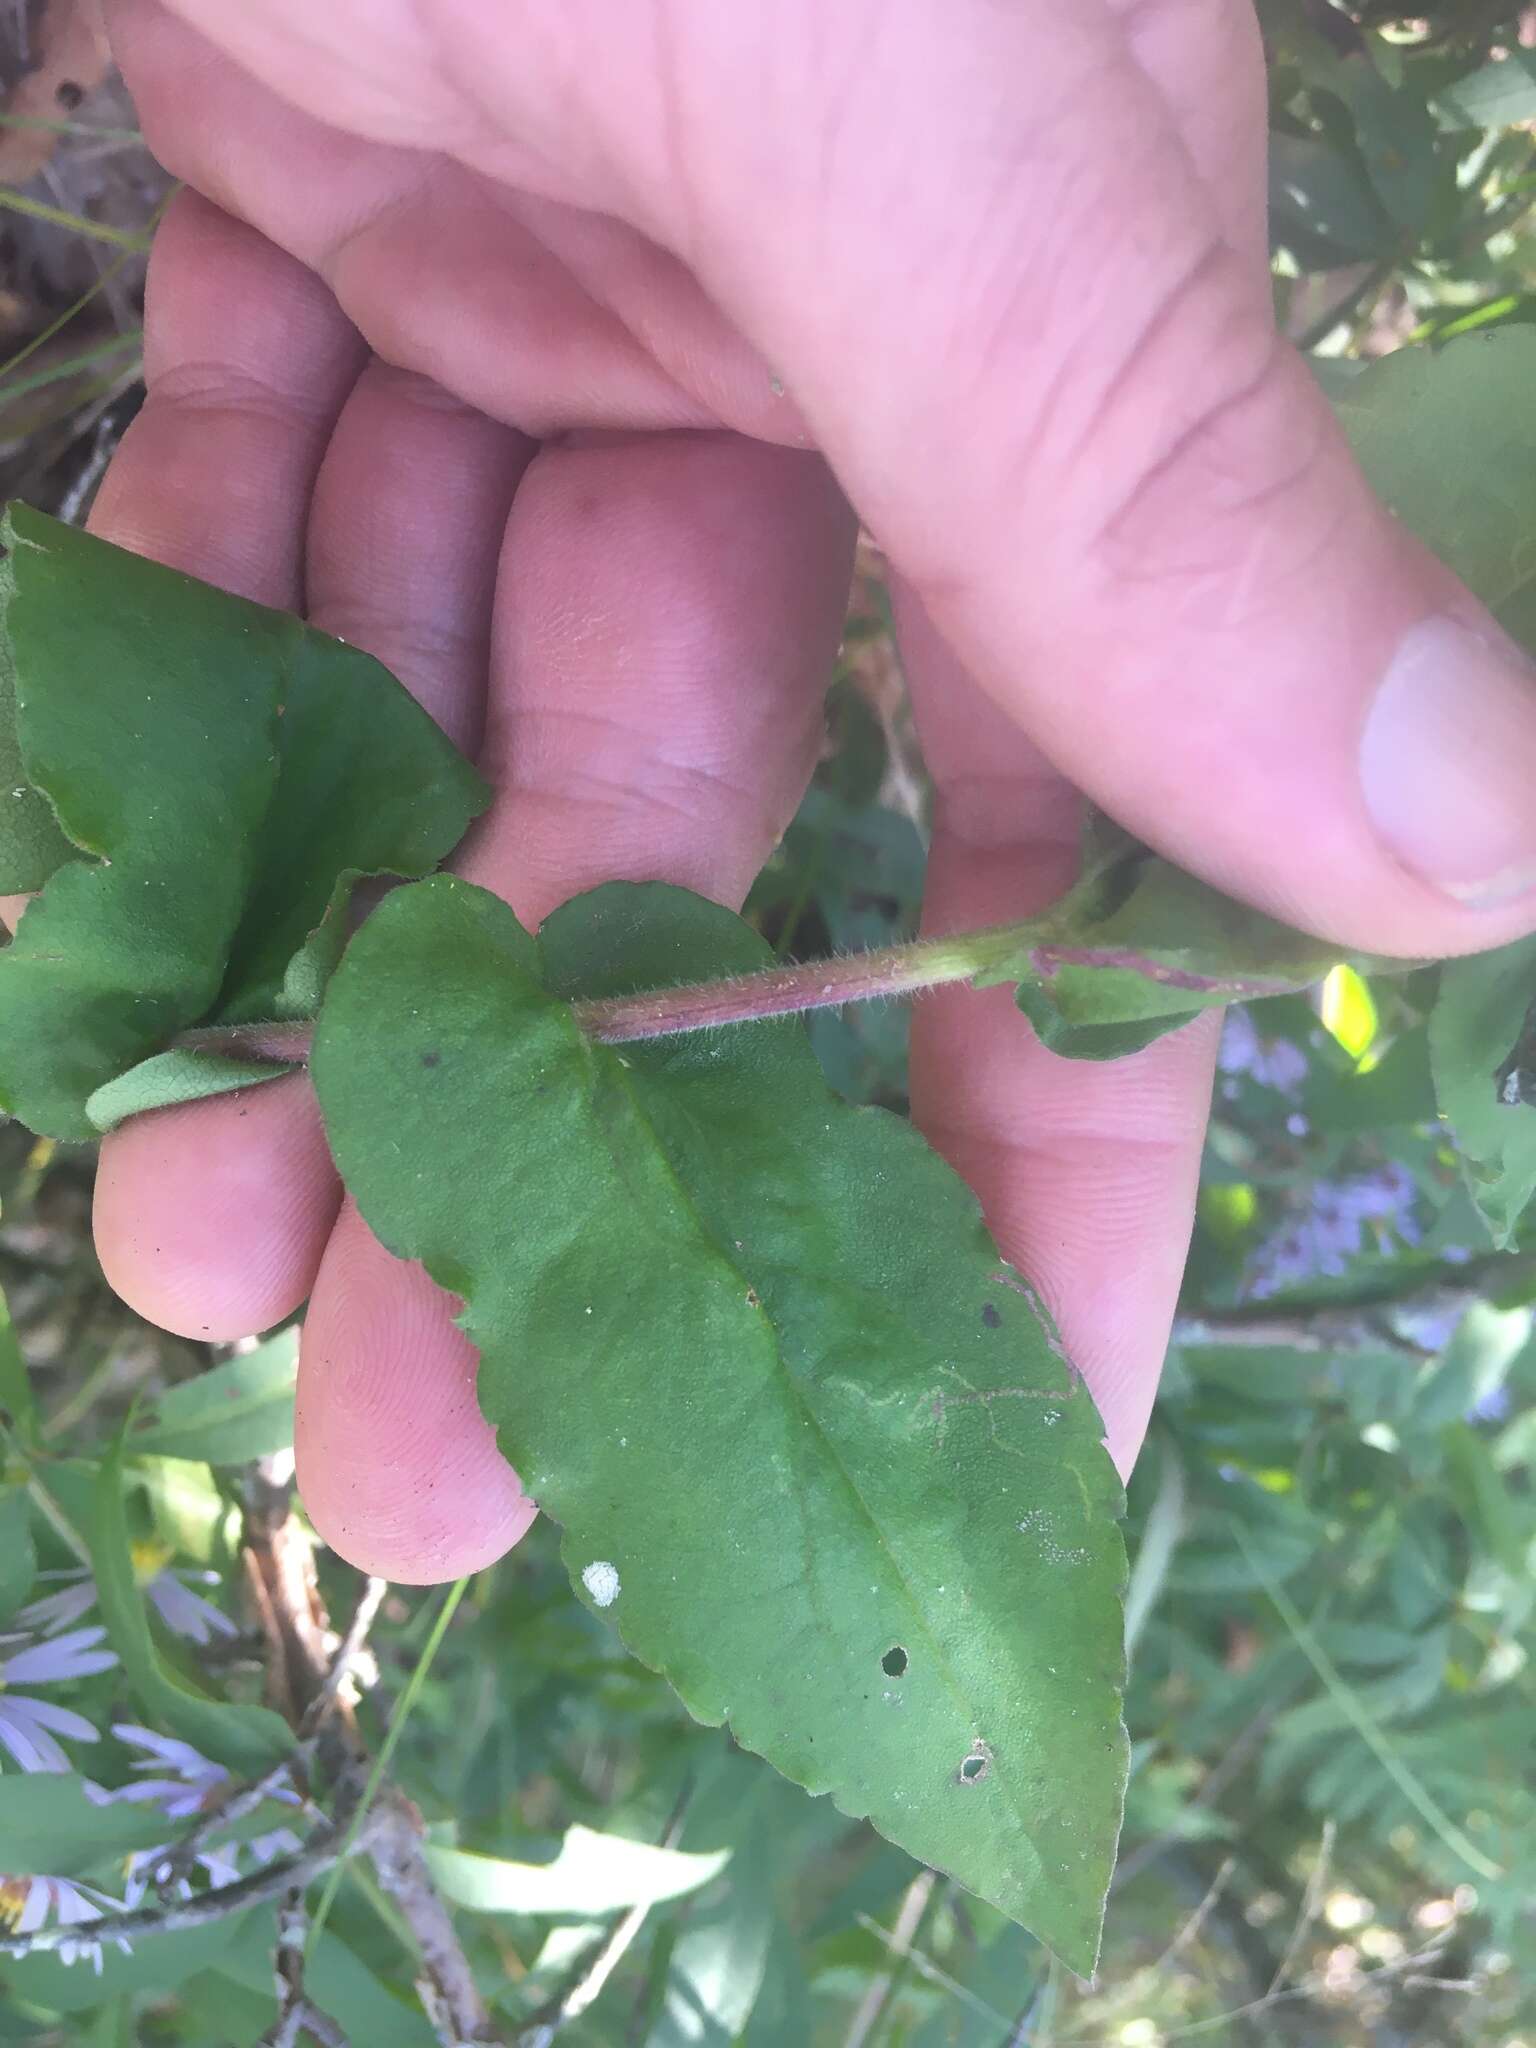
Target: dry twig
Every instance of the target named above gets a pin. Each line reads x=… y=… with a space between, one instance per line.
x=308 y=1670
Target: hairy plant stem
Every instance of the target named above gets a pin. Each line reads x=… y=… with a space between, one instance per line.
x=705 y=1005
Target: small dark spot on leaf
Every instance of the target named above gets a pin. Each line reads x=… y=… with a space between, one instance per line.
x=990 y=1316
x=754 y=1299
x=430 y=1059
x=68 y=94
x=894 y=1662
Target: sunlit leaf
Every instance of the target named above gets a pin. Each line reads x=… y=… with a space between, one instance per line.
x=1348 y=1009
x=593 y=1874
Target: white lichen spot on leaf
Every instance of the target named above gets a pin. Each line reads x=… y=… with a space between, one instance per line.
x=601 y=1580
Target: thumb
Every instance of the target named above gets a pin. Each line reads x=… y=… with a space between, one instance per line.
x=1007 y=304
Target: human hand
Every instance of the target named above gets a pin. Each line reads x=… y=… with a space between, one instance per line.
x=1008 y=270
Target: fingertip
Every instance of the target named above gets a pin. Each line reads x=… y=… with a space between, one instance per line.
x=398 y=1469
x=210 y=1219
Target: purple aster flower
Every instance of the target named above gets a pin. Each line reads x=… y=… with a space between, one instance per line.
x=1431 y=1325
x=1340 y=1218
x=1271 y=1062
x=29 y=1727
x=1490 y=1407
x=185 y=1613
x=188 y=1782
x=27 y=1904
x=54 y=1611
x=147 y=1868
x=193 y=1781
x=277 y=1842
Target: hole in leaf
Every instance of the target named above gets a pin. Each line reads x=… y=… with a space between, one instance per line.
x=976 y=1766
x=894 y=1662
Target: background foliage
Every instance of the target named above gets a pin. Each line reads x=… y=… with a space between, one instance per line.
x=1331 y=1833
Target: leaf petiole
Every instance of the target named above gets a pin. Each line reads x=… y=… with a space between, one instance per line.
x=997 y=953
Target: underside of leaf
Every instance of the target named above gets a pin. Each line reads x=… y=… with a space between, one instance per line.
x=1139 y=947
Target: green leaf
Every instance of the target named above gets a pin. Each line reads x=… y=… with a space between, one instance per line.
x=1498 y=95
x=339 y=1982
x=1397 y=137
x=1138 y=947
x=18 y=1403
x=249 y=1740
x=1478 y=1020
x=981 y=2008
x=18 y=1553
x=50 y=1827
x=828 y=1470
x=113 y=2026
x=1488 y=1507
x=222 y=774
x=167 y=1078
x=31 y=844
x=718 y=1962
x=783 y=2011
x=1322 y=205
x=240 y=1410
x=593 y=1874
x=157 y=1965
x=1448 y=438
x=178 y=1505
